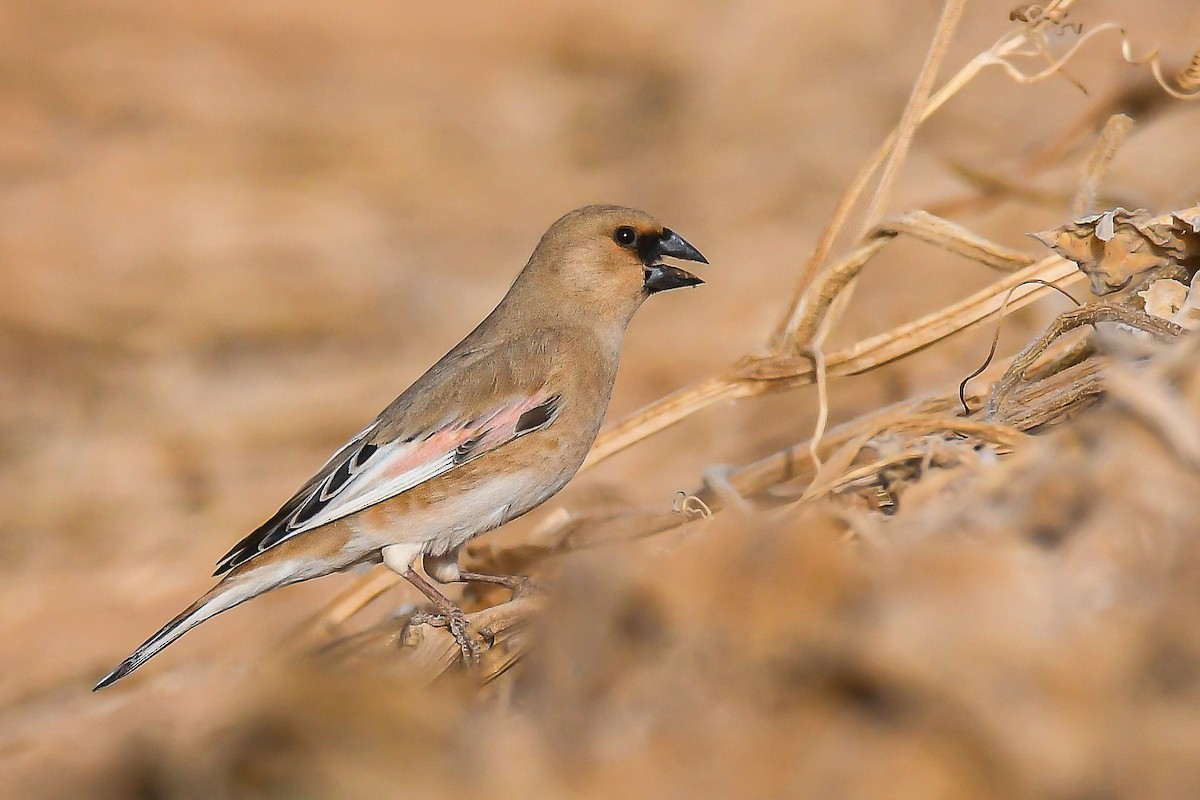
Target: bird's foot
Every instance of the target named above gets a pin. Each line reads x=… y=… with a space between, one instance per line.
x=456 y=623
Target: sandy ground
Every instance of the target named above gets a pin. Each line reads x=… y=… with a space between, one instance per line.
x=231 y=232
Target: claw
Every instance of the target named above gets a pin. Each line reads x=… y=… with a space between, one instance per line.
x=471 y=651
x=456 y=624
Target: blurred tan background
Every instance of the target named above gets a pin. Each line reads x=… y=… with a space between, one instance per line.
x=230 y=232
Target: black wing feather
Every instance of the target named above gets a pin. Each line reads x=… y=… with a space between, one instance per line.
x=317 y=493
x=303 y=506
x=538 y=417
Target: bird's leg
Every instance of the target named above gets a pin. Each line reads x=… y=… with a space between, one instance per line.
x=455 y=621
x=444 y=568
x=400 y=561
x=519 y=585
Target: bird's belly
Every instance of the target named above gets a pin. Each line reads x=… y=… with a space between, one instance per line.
x=445 y=520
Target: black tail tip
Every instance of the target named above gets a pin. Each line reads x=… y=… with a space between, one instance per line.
x=108 y=680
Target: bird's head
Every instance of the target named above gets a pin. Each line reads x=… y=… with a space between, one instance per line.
x=611 y=257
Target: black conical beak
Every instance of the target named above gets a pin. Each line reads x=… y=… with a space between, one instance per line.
x=651 y=249
x=673 y=245
x=660 y=277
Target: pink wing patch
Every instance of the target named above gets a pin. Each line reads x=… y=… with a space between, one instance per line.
x=396 y=467
x=363 y=473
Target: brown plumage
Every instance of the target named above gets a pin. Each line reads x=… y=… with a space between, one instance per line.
x=492 y=430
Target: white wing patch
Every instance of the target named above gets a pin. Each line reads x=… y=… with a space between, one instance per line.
x=378 y=481
x=363 y=473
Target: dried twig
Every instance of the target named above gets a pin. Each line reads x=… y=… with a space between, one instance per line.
x=1002 y=392
x=1114 y=133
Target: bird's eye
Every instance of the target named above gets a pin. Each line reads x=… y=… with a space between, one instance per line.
x=625 y=236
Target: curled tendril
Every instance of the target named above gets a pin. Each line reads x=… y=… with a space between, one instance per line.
x=1186 y=85
x=987 y=362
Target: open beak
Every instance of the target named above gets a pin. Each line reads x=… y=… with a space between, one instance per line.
x=660 y=277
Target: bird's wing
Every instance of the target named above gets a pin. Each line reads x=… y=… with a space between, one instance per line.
x=467 y=405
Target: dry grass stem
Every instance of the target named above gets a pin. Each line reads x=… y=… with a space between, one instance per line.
x=914 y=110
x=901 y=141
x=786 y=336
x=822 y=379
x=1160 y=407
x=345 y=605
x=1114 y=133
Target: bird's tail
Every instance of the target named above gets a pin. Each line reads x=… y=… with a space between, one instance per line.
x=222 y=597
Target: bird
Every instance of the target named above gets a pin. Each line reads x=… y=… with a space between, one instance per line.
x=492 y=430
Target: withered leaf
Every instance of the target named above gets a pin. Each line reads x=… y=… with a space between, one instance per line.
x=1115 y=246
x=1188 y=315
x=1164 y=298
